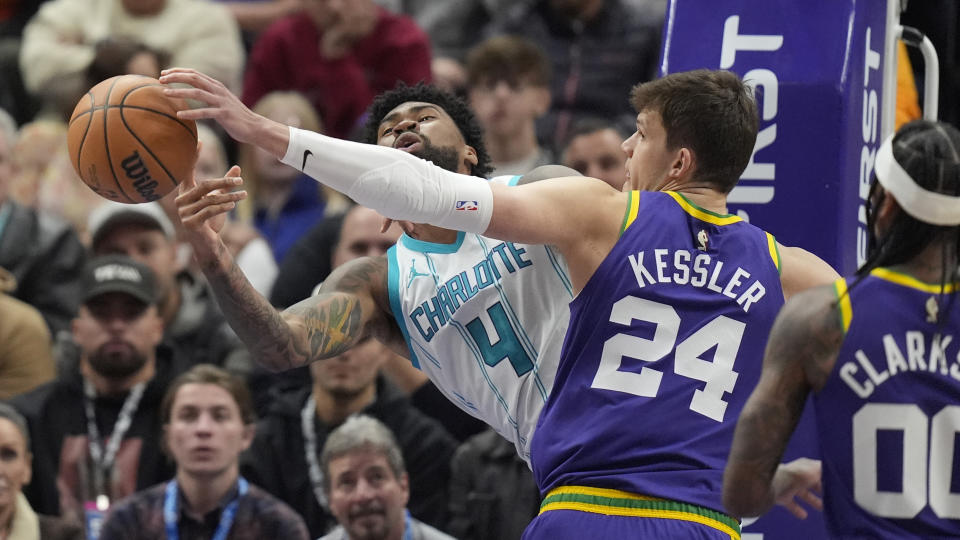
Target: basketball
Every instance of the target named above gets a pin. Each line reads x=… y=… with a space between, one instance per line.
x=126 y=142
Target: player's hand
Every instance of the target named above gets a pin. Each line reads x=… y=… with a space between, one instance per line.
x=799 y=479
x=203 y=206
x=221 y=105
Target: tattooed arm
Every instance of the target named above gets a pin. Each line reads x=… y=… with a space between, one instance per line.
x=799 y=358
x=352 y=303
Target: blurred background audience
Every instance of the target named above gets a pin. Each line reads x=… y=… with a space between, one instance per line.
x=283 y=203
x=508 y=84
x=593 y=149
x=65 y=37
x=339 y=54
x=41 y=251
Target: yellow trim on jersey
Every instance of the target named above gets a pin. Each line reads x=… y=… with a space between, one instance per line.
x=614 y=502
x=702 y=214
x=600 y=492
x=638 y=512
x=774 y=250
x=843 y=303
x=912 y=282
x=633 y=208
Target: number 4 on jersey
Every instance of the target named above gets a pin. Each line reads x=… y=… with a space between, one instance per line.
x=722 y=332
x=508 y=344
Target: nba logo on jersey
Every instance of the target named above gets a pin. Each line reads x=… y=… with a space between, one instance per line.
x=467 y=205
x=702 y=240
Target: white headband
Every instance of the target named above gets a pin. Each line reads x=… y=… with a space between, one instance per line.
x=922 y=204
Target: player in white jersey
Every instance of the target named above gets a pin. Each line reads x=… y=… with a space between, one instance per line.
x=484 y=319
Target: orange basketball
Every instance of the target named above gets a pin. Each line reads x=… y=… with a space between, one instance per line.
x=126 y=141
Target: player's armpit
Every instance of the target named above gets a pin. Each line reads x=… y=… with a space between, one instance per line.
x=544 y=172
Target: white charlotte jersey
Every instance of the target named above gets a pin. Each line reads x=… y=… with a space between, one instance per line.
x=485 y=320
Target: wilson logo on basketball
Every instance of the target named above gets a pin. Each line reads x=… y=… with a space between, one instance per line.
x=138 y=173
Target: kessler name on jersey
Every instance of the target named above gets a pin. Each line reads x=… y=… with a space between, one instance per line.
x=703 y=272
x=432 y=314
x=865 y=375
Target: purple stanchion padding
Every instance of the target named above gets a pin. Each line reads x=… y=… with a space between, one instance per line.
x=819 y=67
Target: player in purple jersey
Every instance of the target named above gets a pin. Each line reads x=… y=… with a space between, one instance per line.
x=695 y=134
x=880 y=352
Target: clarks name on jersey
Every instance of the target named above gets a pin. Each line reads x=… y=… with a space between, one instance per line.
x=865 y=374
x=429 y=316
x=703 y=272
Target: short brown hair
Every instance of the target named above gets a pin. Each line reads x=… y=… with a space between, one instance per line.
x=711 y=112
x=210 y=374
x=508 y=58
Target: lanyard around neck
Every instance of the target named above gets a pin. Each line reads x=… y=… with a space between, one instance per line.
x=5 y=210
x=104 y=456
x=307 y=415
x=171 y=518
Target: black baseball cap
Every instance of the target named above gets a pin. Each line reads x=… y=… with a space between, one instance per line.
x=119 y=273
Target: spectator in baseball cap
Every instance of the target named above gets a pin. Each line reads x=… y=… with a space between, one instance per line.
x=96 y=428
x=193 y=323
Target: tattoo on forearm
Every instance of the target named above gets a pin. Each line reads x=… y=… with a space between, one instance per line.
x=320 y=327
x=258 y=324
x=331 y=327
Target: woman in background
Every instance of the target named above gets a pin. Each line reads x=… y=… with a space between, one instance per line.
x=282 y=203
x=17 y=520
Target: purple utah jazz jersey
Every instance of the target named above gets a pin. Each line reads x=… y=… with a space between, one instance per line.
x=665 y=345
x=889 y=415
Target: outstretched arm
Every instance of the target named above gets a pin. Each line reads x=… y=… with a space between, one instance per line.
x=581 y=216
x=800 y=354
x=347 y=309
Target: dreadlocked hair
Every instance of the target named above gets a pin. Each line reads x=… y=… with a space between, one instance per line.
x=455 y=107
x=930 y=153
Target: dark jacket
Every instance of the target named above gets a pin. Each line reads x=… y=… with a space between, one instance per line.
x=54 y=528
x=307 y=263
x=46 y=257
x=276 y=460
x=492 y=492
x=58 y=435
x=259 y=516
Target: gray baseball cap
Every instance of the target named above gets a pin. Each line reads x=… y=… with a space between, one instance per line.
x=105 y=217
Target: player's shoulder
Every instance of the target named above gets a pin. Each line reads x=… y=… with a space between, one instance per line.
x=801 y=270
